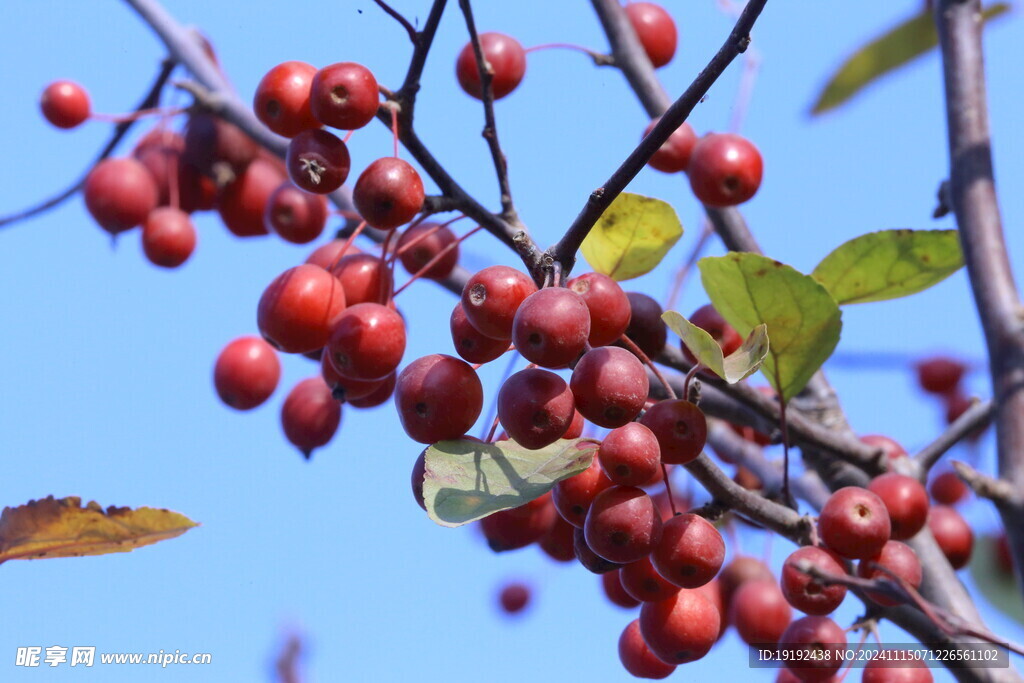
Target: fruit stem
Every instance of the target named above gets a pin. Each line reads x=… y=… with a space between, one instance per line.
x=668 y=490
x=394 y=129
x=689 y=377
x=437 y=257
x=649 y=363
x=599 y=58
x=348 y=243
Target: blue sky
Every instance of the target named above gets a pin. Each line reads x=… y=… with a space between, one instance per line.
x=106 y=361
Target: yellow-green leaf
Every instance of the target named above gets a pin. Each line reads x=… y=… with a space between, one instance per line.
x=739 y=364
x=63 y=528
x=803 y=319
x=896 y=47
x=632 y=236
x=889 y=264
x=464 y=481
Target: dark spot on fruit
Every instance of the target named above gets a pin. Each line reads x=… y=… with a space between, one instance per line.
x=622 y=471
x=613 y=413
x=578 y=511
x=619 y=538
x=535 y=339
x=731 y=184
x=339 y=94
x=682 y=429
x=813 y=588
x=273 y=109
x=422 y=409
x=862 y=511
x=541 y=419
x=688 y=570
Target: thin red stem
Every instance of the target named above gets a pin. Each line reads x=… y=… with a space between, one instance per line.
x=649 y=363
x=394 y=129
x=348 y=243
x=437 y=257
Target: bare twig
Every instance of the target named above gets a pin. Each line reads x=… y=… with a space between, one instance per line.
x=990 y=488
x=397 y=16
x=975 y=417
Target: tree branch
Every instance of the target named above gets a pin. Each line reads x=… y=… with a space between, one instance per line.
x=397 y=16
x=975 y=417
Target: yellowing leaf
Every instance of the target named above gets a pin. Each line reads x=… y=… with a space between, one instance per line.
x=739 y=365
x=632 y=236
x=889 y=264
x=63 y=528
x=898 y=46
x=803 y=319
x=466 y=480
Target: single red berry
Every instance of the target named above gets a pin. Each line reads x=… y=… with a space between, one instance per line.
x=507 y=61
x=491 y=298
x=514 y=598
x=438 y=397
x=816 y=645
x=854 y=523
x=615 y=592
x=906 y=501
x=940 y=375
x=535 y=407
x=952 y=533
x=610 y=386
x=119 y=194
x=630 y=456
x=691 y=551
x=469 y=343
x=242 y=203
x=421 y=243
x=367 y=342
x=296 y=310
x=947 y=488
x=365 y=278
x=681 y=628
x=760 y=612
x=317 y=161
x=900 y=560
x=572 y=496
x=65 y=104
x=646 y=328
x=806 y=593
x=551 y=327
x=296 y=216
x=637 y=658
x=246 y=373
x=282 y=99
x=655 y=29
x=681 y=428
x=623 y=524
x=608 y=304
x=310 y=416
x=344 y=95
x=389 y=193
x=725 y=169
x=674 y=154
x=168 y=237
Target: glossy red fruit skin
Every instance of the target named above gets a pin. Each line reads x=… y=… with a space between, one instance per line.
x=854 y=523
x=681 y=628
x=282 y=101
x=328 y=255
x=119 y=194
x=419 y=244
x=469 y=343
x=246 y=373
x=572 y=496
x=905 y=499
x=160 y=152
x=295 y=216
x=519 y=527
x=216 y=147
x=241 y=204
x=514 y=598
x=438 y=397
x=674 y=154
x=535 y=407
x=896 y=668
x=630 y=456
x=646 y=328
x=738 y=571
x=760 y=612
x=491 y=298
x=590 y=560
x=296 y=310
x=360 y=275
x=168 y=237
x=388 y=193
x=379 y=396
x=615 y=592
x=310 y=416
x=608 y=304
x=345 y=389
x=947 y=488
x=642 y=581
x=691 y=551
x=575 y=429
x=815 y=633
x=196 y=192
x=367 y=342
x=557 y=543
x=725 y=169
x=623 y=524
x=940 y=375
x=506 y=58
x=551 y=327
x=65 y=104
x=898 y=558
x=681 y=430
x=712 y=322
x=952 y=533
x=637 y=658
x=344 y=95
x=805 y=593
x=655 y=29
x=610 y=386
x=891 y=448
x=318 y=161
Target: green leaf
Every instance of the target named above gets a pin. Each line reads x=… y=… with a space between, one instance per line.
x=803 y=319
x=467 y=480
x=632 y=236
x=739 y=365
x=889 y=264
x=998 y=587
x=898 y=46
